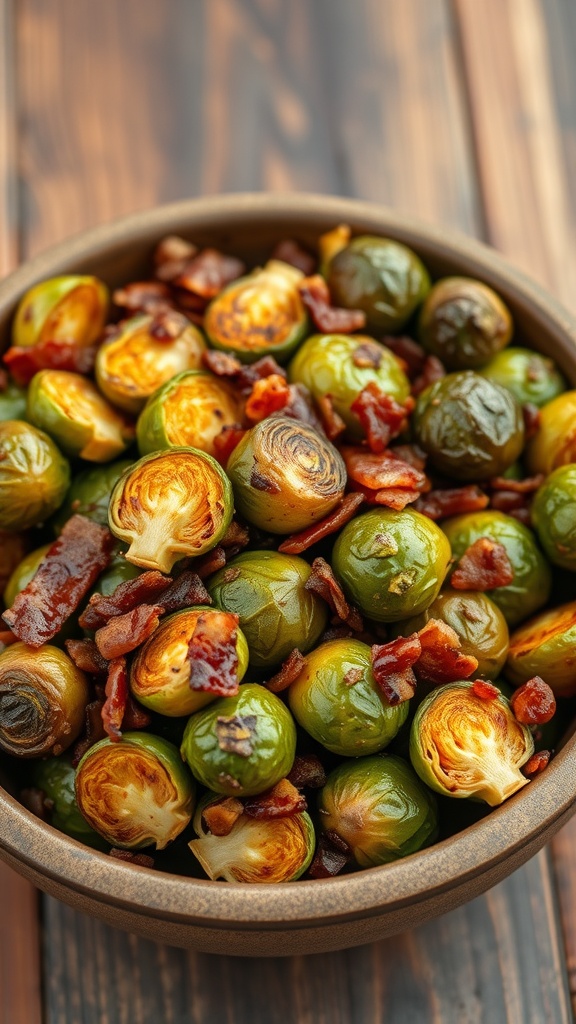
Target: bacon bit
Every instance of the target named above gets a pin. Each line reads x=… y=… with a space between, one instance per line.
x=262 y=368
x=207 y=273
x=307 y=772
x=531 y=416
x=440 y=661
x=367 y=355
x=511 y=502
x=485 y=690
x=69 y=568
x=184 y=591
x=221 y=363
x=533 y=703
x=432 y=371
x=301 y=407
x=143 y=296
x=116 y=699
x=537 y=763
x=381 y=471
x=291 y=252
x=135 y=716
x=128 y=595
x=168 y=325
x=23 y=363
x=126 y=632
x=237 y=537
x=143 y=860
x=212 y=654
x=323 y=582
x=526 y=486
x=381 y=417
x=409 y=453
x=327 y=318
x=341 y=515
x=332 y=423
x=393 y=497
x=452 y=501
x=290 y=670
x=392 y=667
x=408 y=352
x=171 y=256
x=332 y=855
x=235 y=734
x=93 y=731
x=86 y=656
x=220 y=817
x=3 y=380
x=268 y=395
x=282 y=801
x=210 y=563
x=225 y=442
x=483 y=566
x=7 y=637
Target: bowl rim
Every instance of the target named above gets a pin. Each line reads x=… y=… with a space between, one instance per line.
x=530 y=815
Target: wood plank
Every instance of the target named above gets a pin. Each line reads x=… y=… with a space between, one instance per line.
x=8 y=194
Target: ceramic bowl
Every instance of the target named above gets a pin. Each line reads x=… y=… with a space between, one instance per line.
x=313 y=916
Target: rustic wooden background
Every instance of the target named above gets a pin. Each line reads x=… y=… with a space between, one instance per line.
x=462 y=112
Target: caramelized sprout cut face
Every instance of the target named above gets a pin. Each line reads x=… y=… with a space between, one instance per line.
x=554 y=443
x=544 y=646
x=190 y=411
x=70 y=308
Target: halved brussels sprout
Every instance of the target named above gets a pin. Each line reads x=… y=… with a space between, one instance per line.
x=189 y=410
x=266 y=590
x=160 y=673
x=554 y=516
x=285 y=475
x=55 y=777
x=73 y=412
x=132 y=364
x=379 y=807
x=42 y=700
x=89 y=493
x=545 y=647
x=34 y=476
x=13 y=402
x=342 y=365
x=464 y=322
x=135 y=792
x=70 y=308
x=13 y=547
x=240 y=746
x=261 y=314
x=336 y=699
x=529 y=376
x=256 y=850
x=554 y=443
x=169 y=505
x=465 y=746
x=23 y=573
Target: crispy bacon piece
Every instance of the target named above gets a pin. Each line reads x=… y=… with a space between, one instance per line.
x=168 y=324
x=212 y=654
x=288 y=672
x=381 y=417
x=116 y=698
x=485 y=690
x=341 y=515
x=208 y=272
x=452 y=501
x=236 y=537
x=392 y=497
x=483 y=566
x=220 y=817
x=531 y=415
x=534 y=702
x=143 y=296
x=23 y=363
x=392 y=666
x=124 y=633
x=143 y=860
x=332 y=423
x=135 y=716
x=171 y=256
x=290 y=251
x=526 y=486
x=226 y=441
x=300 y=406
x=7 y=637
x=128 y=595
x=380 y=471
x=70 y=567
x=327 y=318
x=93 y=731
x=307 y=772
x=323 y=582
x=332 y=855
x=441 y=660
x=409 y=352
x=186 y=590
x=432 y=371
x=86 y=656
x=221 y=363
x=268 y=395
x=512 y=503
x=282 y=801
x=409 y=453
x=210 y=562
x=235 y=734
x=537 y=763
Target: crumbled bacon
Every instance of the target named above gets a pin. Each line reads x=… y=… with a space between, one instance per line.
x=534 y=702
x=380 y=471
x=143 y=860
x=307 y=772
x=526 y=486
x=332 y=423
x=186 y=590
x=452 y=501
x=135 y=716
x=483 y=566
x=327 y=318
x=210 y=563
x=409 y=352
x=143 y=296
x=226 y=441
x=93 y=731
x=282 y=801
x=235 y=734
x=531 y=416
x=432 y=371
x=116 y=698
x=236 y=537
x=392 y=666
x=512 y=503
x=171 y=256
x=212 y=654
x=69 y=568
x=381 y=417
x=86 y=656
x=23 y=363
x=124 y=633
x=144 y=588
x=300 y=406
x=168 y=325
x=208 y=272
x=222 y=364
x=323 y=582
x=220 y=817
x=264 y=367
x=290 y=251
x=268 y=395
x=485 y=690
x=392 y=497
x=341 y=515
x=332 y=855
x=289 y=671
x=537 y=763
x=409 y=453
x=441 y=660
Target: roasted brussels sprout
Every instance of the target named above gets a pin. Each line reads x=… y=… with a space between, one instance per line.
x=259 y=315
x=13 y=547
x=70 y=309
x=55 y=777
x=464 y=322
x=471 y=428
x=34 y=476
x=256 y=850
x=285 y=475
x=160 y=673
x=42 y=700
x=391 y=564
x=380 y=276
x=89 y=494
x=135 y=792
x=529 y=376
x=132 y=364
x=464 y=746
x=73 y=412
x=545 y=647
x=341 y=365
x=266 y=590
x=379 y=807
x=530 y=588
x=23 y=573
x=554 y=443
x=554 y=516
x=338 y=702
x=189 y=410
x=171 y=504
x=12 y=402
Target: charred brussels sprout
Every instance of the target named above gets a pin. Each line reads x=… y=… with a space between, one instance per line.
x=255 y=850
x=169 y=505
x=190 y=410
x=132 y=364
x=55 y=777
x=554 y=444
x=464 y=746
x=471 y=428
x=42 y=700
x=89 y=494
x=68 y=309
x=530 y=588
x=554 y=516
x=544 y=647
x=259 y=315
x=464 y=322
x=267 y=591
x=380 y=276
x=242 y=745
x=12 y=402
x=73 y=412
x=380 y=808
x=529 y=376
x=23 y=573
x=341 y=366
x=337 y=700
x=13 y=547
x=34 y=476
x=391 y=564
x=285 y=475
x=160 y=673
x=135 y=792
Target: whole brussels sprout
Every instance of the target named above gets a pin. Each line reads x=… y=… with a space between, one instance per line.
x=70 y=308
x=544 y=647
x=384 y=278
x=34 y=476
x=464 y=322
x=89 y=494
x=12 y=402
x=190 y=410
x=242 y=745
x=554 y=443
x=379 y=807
x=23 y=573
x=554 y=516
x=529 y=376
x=55 y=777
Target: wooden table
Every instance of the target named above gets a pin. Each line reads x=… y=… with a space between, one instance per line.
x=462 y=112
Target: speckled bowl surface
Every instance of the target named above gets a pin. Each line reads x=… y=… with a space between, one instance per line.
x=313 y=916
